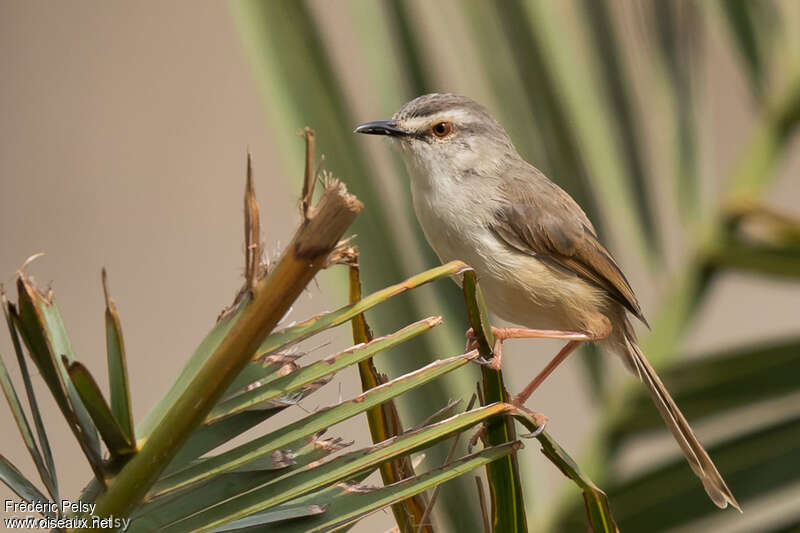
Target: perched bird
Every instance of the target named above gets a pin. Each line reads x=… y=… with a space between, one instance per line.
x=536 y=254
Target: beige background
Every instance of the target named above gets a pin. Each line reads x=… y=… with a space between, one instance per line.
x=123 y=129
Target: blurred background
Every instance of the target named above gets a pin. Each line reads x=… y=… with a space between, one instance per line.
x=123 y=141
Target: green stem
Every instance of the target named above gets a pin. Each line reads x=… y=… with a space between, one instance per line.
x=505 y=484
x=272 y=297
x=384 y=423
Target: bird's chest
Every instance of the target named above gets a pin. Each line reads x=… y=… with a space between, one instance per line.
x=453 y=222
x=448 y=219
x=517 y=287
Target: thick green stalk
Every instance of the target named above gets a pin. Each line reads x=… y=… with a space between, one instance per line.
x=271 y=299
x=505 y=484
x=384 y=423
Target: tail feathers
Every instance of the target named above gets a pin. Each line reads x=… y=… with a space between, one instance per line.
x=695 y=454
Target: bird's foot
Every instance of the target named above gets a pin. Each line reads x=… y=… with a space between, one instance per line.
x=495 y=363
x=501 y=334
x=538 y=419
x=526 y=333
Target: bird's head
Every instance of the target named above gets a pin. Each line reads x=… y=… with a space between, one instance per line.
x=445 y=135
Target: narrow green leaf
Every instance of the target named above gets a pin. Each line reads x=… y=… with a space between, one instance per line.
x=41 y=327
x=595 y=500
x=384 y=422
x=316 y=371
x=32 y=331
x=322 y=498
x=105 y=421
x=309 y=425
x=204 y=439
x=347 y=507
x=117 y=368
x=23 y=488
x=339 y=468
x=259 y=520
x=157 y=512
x=62 y=348
x=210 y=436
x=261 y=371
x=25 y=429
x=312 y=326
x=10 y=311
x=505 y=484
x=478 y=314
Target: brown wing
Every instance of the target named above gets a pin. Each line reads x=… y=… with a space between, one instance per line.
x=538 y=218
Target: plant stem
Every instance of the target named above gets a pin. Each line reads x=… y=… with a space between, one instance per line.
x=505 y=484
x=272 y=297
x=384 y=423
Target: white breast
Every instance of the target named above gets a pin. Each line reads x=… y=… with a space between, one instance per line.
x=451 y=220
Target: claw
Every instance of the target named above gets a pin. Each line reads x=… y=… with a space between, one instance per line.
x=472 y=344
x=540 y=419
x=533 y=434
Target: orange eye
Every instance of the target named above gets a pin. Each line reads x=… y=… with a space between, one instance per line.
x=442 y=129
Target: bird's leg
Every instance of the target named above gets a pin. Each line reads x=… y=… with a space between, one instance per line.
x=501 y=334
x=525 y=333
x=525 y=393
x=497 y=349
x=574 y=338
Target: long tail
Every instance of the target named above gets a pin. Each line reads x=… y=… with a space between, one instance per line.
x=695 y=454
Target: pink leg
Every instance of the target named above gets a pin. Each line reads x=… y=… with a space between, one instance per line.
x=501 y=334
x=525 y=333
x=523 y=396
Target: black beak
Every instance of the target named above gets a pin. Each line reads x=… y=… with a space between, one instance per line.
x=380 y=127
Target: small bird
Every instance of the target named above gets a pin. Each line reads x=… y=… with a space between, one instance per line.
x=535 y=252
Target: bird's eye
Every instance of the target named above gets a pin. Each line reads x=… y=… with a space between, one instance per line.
x=442 y=129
